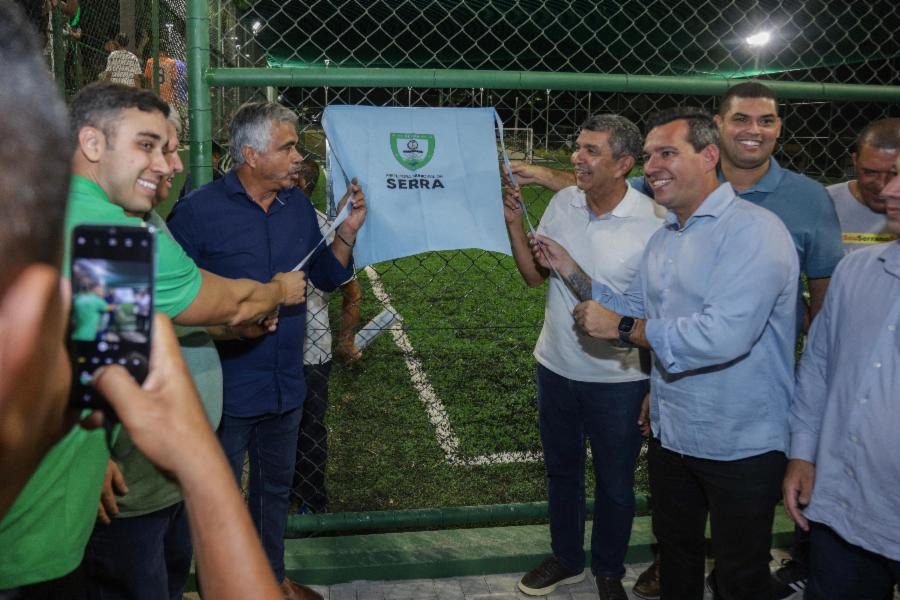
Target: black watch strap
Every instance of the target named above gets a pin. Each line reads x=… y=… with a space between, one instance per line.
x=626 y=326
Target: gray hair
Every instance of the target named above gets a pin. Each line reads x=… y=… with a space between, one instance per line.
x=702 y=130
x=624 y=136
x=252 y=126
x=175 y=119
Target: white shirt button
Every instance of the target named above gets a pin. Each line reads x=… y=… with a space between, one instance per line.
x=890 y=327
x=863 y=400
x=878 y=365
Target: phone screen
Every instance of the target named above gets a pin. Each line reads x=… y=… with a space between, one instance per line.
x=112 y=305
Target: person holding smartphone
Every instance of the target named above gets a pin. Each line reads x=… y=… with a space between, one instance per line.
x=117 y=165
x=163 y=415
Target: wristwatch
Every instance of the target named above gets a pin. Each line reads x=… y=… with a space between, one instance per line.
x=626 y=326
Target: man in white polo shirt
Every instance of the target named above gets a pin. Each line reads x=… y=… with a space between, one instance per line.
x=588 y=388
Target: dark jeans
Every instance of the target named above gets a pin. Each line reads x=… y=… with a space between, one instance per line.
x=739 y=496
x=839 y=570
x=312 y=442
x=271 y=445
x=139 y=558
x=572 y=412
x=70 y=587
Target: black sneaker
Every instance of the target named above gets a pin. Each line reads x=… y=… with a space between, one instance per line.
x=789 y=579
x=610 y=589
x=647 y=584
x=547 y=576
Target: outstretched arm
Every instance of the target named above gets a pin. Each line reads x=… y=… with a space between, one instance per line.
x=552 y=179
x=223 y=301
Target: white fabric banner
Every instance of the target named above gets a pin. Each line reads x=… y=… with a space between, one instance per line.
x=431 y=178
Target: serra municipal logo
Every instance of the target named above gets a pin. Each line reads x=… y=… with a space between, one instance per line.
x=413 y=151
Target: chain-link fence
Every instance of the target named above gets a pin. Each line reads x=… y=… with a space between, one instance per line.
x=439 y=411
x=120 y=41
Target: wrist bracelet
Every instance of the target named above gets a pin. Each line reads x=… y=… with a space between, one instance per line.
x=340 y=237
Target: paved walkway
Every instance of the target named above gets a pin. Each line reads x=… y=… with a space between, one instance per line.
x=482 y=587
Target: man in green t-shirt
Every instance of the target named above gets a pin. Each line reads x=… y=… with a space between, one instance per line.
x=164 y=416
x=118 y=164
x=138 y=502
x=88 y=309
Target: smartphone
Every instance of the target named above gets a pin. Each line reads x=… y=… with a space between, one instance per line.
x=112 y=275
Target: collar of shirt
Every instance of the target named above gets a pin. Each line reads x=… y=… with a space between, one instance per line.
x=235 y=189
x=714 y=205
x=767 y=184
x=891 y=258
x=628 y=206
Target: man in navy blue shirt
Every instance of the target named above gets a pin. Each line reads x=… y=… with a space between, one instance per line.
x=254 y=223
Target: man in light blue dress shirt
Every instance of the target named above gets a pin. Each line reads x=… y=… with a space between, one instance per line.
x=715 y=300
x=841 y=482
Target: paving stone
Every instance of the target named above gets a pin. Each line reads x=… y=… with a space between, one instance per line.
x=474 y=585
x=503 y=583
x=343 y=591
x=448 y=589
x=413 y=589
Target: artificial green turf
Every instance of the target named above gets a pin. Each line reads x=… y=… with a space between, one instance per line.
x=472 y=323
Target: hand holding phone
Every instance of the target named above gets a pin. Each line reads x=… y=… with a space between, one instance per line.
x=112 y=275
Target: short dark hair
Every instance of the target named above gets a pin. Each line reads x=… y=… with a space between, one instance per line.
x=101 y=104
x=624 y=136
x=883 y=135
x=122 y=40
x=702 y=130
x=36 y=152
x=748 y=89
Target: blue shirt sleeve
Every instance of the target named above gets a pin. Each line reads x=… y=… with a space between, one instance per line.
x=811 y=392
x=630 y=304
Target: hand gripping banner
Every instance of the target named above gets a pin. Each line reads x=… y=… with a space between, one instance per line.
x=430 y=175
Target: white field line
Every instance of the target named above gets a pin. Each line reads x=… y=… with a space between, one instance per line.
x=435 y=409
x=437 y=414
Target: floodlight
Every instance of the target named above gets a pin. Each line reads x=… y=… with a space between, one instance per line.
x=759 y=39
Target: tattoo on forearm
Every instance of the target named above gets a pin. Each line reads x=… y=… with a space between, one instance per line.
x=580 y=284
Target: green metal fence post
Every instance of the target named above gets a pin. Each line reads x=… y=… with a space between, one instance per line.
x=58 y=49
x=154 y=33
x=199 y=113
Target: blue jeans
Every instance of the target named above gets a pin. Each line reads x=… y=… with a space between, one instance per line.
x=572 y=412
x=838 y=569
x=146 y=557
x=271 y=445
